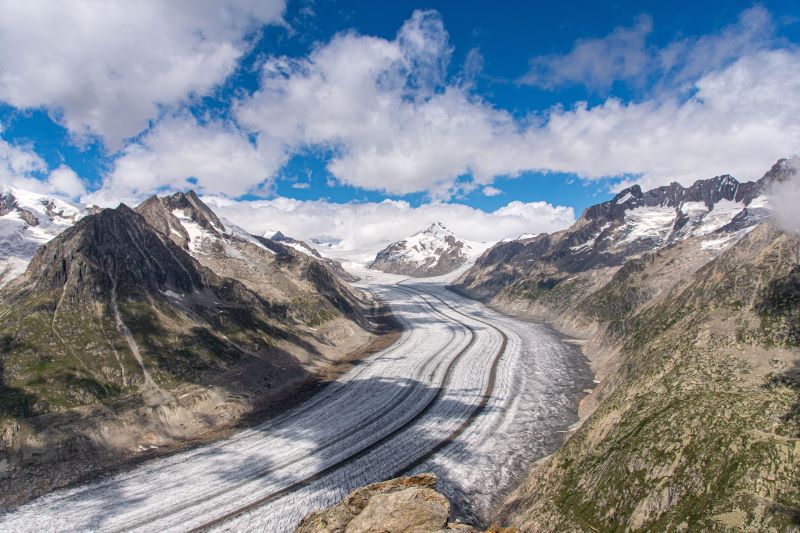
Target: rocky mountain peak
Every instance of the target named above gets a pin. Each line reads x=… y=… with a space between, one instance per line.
x=160 y=218
x=630 y=194
x=114 y=249
x=781 y=171
x=7 y=202
x=194 y=208
x=435 y=229
x=715 y=212
x=28 y=220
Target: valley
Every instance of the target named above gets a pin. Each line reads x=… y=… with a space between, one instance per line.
x=459 y=375
x=292 y=266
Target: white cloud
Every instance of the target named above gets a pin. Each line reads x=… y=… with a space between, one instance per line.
x=179 y=153
x=784 y=198
x=365 y=228
x=740 y=120
x=688 y=58
x=393 y=123
x=360 y=96
x=106 y=68
x=21 y=167
x=65 y=182
x=623 y=55
x=18 y=161
x=597 y=63
x=491 y=191
x=473 y=65
x=375 y=103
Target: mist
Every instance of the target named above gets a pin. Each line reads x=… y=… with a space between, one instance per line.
x=785 y=198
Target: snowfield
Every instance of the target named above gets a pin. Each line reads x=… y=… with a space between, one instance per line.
x=19 y=240
x=467 y=393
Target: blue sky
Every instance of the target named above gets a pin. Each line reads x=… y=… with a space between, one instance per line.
x=314 y=105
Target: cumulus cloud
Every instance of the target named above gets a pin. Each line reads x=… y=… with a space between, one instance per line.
x=18 y=161
x=784 y=198
x=361 y=229
x=739 y=120
x=180 y=153
x=491 y=191
x=21 y=167
x=360 y=97
x=381 y=107
x=391 y=121
x=105 y=68
x=65 y=182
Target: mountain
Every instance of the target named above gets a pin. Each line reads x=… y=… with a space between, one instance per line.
x=27 y=220
x=688 y=304
x=301 y=246
x=713 y=214
x=139 y=330
x=431 y=252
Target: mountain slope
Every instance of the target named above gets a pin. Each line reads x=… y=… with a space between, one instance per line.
x=553 y=273
x=690 y=311
x=697 y=427
x=303 y=247
x=431 y=252
x=140 y=330
x=280 y=274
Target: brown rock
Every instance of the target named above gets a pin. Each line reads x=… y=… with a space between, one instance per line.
x=413 y=510
x=401 y=505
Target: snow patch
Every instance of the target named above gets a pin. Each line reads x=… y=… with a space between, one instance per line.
x=172 y=294
x=720 y=216
x=19 y=240
x=653 y=223
x=624 y=199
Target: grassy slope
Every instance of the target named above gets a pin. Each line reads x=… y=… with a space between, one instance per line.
x=701 y=430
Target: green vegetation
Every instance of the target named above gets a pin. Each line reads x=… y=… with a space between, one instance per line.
x=700 y=427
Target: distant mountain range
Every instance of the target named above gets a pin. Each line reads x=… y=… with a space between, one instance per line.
x=432 y=252
x=688 y=301
x=713 y=213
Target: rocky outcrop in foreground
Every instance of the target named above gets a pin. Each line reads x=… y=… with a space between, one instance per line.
x=405 y=504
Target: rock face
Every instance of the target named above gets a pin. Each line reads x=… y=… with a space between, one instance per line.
x=432 y=252
x=301 y=246
x=715 y=213
x=401 y=505
x=163 y=322
x=693 y=332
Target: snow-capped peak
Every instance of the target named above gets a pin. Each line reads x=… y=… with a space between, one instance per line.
x=28 y=220
x=435 y=229
x=433 y=251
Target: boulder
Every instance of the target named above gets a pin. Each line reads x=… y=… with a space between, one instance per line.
x=401 y=505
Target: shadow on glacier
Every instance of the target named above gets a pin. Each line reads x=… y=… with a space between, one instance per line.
x=407 y=410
